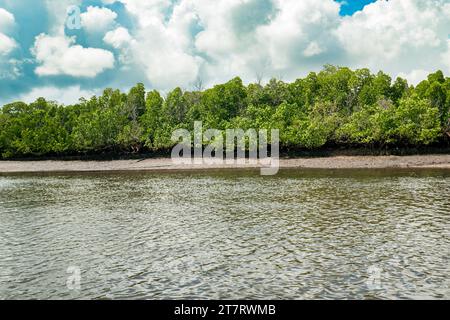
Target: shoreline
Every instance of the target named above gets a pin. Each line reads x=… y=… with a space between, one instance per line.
x=432 y=161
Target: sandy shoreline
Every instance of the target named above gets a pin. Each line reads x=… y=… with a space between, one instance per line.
x=166 y=164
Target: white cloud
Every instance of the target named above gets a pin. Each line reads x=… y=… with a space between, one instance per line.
x=7 y=20
x=121 y=40
x=118 y=38
x=397 y=35
x=69 y=95
x=230 y=51
x=97 y=19
x=165 y=62
x=296 y=26
x=415 y=76
x=11 y=69
x=313 y=49
x=445 y=57
x=147 y=12
x=234 y=37
x=174 y=42
x=58 y=13
x=7 y=44
x=58 y=55
x=164 y=49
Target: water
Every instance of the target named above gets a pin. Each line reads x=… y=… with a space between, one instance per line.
x=226 y=235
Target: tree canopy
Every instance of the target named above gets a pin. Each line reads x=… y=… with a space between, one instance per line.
x=337 y=106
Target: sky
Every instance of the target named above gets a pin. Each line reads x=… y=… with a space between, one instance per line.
x=349 y=7
x=67 y=49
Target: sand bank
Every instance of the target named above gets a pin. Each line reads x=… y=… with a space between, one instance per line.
x=165 y=164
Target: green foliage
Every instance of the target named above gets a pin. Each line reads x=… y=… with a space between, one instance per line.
x=335 y=106
x=98 y=122
x=320 y=125
x=222 y=103
x=152 y=118
x=416 y=121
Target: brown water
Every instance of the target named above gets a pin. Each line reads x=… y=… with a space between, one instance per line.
x=205 y=235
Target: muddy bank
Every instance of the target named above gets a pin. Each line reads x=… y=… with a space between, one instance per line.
x=164 y=164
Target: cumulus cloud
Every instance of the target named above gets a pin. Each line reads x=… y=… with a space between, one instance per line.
x=66 y=96
x=300 y=30
x=97 y=19
x=121 y=40
x=169 y=43
x=7 y=44
x=147 y=12
x=118 y=38
x=11 y=69
x=415 y=76
x=164 y=49
x=6 y=20
x=229 y=40
x=58 y=55
x=445 y=57
x=57 y=11
x=397 y=35
x=221 y=39
x=313 y=49
x=217 y=40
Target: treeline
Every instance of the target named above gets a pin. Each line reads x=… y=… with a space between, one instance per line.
x=336 y=106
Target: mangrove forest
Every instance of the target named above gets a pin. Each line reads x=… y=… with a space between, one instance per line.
x=335 y=107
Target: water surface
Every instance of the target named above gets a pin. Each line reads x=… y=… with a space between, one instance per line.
x=319 y=234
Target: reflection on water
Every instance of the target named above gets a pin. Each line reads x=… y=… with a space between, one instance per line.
x=226 y=235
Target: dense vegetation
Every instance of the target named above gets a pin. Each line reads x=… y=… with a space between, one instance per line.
x=336 y=107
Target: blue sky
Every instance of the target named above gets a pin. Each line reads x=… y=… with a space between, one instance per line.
x=170 y=43
x=349 y=7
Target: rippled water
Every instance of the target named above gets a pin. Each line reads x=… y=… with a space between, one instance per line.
x=226 y=235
